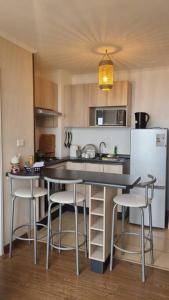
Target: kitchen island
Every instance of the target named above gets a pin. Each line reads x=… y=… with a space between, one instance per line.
x=103 y=187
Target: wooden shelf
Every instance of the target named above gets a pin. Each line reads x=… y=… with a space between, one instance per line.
x=96 y=252
x=97 y=223
x=97 y=207
x=97 y=238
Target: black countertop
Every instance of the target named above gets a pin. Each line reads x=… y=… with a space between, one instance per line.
x=122 y=181
x=121 y=160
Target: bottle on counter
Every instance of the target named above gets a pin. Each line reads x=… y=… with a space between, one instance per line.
x=115 y=150
x=15 y=164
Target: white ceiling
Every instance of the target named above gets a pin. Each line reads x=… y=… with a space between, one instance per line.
x=65 y=32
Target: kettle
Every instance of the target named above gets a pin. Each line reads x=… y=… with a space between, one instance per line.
x=73 y=151
x=141 y=119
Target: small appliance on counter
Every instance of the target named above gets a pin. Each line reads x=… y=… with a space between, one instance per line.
x=141 y=119
x=73 y=151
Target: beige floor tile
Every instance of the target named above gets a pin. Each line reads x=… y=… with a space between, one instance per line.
x=161 y=240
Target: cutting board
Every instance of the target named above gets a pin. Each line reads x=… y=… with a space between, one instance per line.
x=47 y=144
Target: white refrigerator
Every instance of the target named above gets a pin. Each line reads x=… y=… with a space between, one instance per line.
x=149 y=156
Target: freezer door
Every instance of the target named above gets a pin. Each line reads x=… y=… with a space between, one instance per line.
x=158 y=209
x=148 y=154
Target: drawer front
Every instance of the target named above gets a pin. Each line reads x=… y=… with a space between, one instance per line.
x=75 y=166
x=94 y=167
x=117 y=169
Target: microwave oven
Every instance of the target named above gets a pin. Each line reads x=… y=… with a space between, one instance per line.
x=110 y=116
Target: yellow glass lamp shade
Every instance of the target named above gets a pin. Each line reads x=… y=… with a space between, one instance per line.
x=106 y=73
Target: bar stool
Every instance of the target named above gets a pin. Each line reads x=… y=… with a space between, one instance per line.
x=66 y=197
x=141 y=202
x=30 y=193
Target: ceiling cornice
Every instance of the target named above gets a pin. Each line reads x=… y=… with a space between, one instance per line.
x=17 y=42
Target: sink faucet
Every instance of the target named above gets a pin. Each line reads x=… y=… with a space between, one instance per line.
x=100 y=148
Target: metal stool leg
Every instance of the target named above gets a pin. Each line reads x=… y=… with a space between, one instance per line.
x=85 y=227
x=30 y=220
x=77 y=242
x=122 y=229
x=35 y=231
x=142 y=246
x=11 y=225
x=48 y=235
x=112 y=237
x=151 y=233
x=60 y=224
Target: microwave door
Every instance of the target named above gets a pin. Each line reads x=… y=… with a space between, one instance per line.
x=110 y=117
x=121 y=117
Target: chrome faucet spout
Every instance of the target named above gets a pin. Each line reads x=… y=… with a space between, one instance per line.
x=100 y=147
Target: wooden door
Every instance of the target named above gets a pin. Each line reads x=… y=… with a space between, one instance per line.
x=97 y=97
x=76 y=106
x=120 y=94
x=45 y=94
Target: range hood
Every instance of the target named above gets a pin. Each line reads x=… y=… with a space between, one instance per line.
x=46 y=112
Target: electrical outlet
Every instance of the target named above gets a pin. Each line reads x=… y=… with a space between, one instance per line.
x=20 y=142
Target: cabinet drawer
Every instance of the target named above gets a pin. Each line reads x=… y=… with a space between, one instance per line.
x=117 y=169
x=75 y=166
x=94 y=167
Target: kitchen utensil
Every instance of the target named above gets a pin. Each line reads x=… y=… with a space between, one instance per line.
x=65 y=142
x=90 y=150
x=141 y=119
x=69 y=139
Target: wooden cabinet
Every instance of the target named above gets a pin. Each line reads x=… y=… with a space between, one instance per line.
x=46 y=94
x=97 y=97
x=76 y=112
x=81 y=99
x=94 y=167
x=120 y=95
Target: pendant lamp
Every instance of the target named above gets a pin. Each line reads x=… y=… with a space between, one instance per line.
x=106 y=73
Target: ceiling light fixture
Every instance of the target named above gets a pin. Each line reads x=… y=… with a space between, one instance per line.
x=106 y=76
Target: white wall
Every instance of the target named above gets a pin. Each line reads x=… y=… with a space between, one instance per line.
x=112 y=137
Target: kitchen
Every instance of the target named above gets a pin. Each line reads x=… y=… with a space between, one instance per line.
x=149 y=94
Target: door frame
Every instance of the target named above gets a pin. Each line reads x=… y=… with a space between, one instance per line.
x=1 y=182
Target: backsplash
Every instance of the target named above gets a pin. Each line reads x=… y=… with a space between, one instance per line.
x=119 y=137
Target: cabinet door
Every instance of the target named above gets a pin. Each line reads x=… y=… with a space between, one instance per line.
x=75 y=166
x=45 y=94
x=120 y=95
x=117 y=169
x=76 y=105
x=94 y=167
x=97 y=97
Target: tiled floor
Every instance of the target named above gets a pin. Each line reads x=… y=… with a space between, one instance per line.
x=161 y=241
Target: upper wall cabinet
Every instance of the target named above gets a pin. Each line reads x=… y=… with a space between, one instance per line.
x=120 y=95
x=97 y=97
x=76 y=105
x=46 y=94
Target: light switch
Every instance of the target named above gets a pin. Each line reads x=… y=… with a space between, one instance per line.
x=20 y=142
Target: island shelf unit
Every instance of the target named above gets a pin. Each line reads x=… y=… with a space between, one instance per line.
x=100 y=222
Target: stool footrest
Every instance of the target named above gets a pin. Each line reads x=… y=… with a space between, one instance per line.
x=56 y=246
x=27 y=238
x=130 y=251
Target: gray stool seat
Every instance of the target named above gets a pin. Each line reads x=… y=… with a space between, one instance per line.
x=140 y=202
x=67 y=197
x=130 y=200
x=26 y=192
